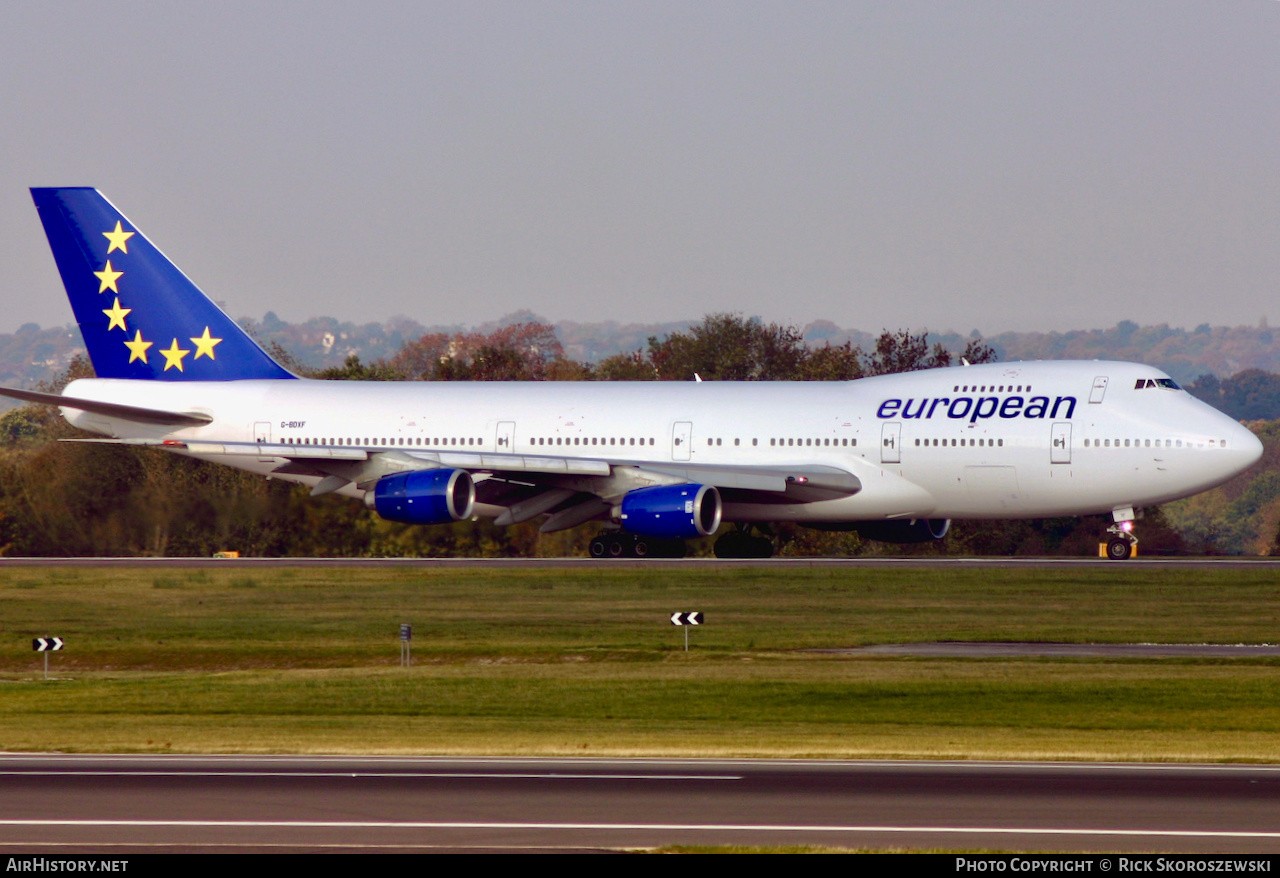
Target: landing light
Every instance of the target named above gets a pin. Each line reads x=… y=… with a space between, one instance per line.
x=1126 y=526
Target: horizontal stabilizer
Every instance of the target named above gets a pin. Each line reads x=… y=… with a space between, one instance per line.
x=111 y=409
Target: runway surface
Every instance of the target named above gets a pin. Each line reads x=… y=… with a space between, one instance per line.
x=120 y=804
x=1034 y=649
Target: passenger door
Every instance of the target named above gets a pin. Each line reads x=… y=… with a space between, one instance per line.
x=1099 y=390
x=1060 y=442
x=262 y=435
x=505 y=440
x=890 y=439
x=681 y=437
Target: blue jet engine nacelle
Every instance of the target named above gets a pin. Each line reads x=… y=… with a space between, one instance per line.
x=428 y=496
x=672 y=511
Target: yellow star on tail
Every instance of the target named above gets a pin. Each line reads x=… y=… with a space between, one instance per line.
x=108 y=278
x=138 y=348
x=173 y=356
x=204 y=346
x=116 y=313
x=118 y=239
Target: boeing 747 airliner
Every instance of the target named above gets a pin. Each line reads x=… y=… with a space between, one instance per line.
x=895 y=457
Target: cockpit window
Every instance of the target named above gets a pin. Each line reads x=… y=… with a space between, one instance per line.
x=1166 y=383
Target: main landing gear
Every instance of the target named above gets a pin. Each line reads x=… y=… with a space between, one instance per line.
x=739 y=543
x=622 y=544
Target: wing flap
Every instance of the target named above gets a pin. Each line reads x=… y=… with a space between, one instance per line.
x=516 y=463
x=746 y=479
x=265 y=449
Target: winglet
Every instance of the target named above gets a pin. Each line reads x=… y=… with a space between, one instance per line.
x=140 y=316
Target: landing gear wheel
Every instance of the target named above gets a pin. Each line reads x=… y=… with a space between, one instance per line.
x=731 y=545
x=1119 y=549
x=1123 y=543
x=621 y=544
x=740 y=544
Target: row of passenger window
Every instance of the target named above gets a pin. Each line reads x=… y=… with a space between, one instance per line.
x=437 y=442
x=952 y=443
x=471 y=441
x=594 y=440
x=1147 y=443
x=828 y=442
x=989 y=388
x=446 y=442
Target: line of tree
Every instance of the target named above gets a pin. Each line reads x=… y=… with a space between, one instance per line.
x=723 y=347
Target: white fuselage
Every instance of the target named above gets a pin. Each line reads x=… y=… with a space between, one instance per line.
x=1009 y=440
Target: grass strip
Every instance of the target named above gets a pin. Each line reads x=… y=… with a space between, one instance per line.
x=585 y=662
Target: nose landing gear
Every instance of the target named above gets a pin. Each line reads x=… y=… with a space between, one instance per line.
x=1123 y=544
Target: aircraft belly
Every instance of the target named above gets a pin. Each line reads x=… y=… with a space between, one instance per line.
x=995 y=488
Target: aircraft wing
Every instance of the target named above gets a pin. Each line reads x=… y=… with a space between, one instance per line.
x=570 y=490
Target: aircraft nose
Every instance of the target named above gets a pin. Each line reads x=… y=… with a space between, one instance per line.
x=1243 y=448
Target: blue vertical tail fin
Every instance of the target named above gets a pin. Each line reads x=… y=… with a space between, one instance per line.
x=140 y=316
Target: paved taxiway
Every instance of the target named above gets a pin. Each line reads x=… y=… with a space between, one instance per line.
x=112 y=804
x=1039 y=649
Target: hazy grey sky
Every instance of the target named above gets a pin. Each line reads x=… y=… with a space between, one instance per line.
x=950 y=165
